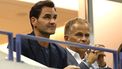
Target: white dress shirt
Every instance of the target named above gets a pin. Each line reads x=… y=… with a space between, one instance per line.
x=75 y=55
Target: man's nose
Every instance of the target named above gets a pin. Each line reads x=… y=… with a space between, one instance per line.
x=52 y=21
x=84 y=39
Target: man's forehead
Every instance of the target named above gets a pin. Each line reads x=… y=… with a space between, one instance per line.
x=80 y=26
x=48 y=10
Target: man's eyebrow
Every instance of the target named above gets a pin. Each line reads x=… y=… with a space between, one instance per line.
x=79 y=33
x=50 y=14
x=55 y=15
x=47 y=15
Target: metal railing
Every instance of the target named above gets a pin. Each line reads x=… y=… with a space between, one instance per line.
x=20 y=36
x=120 y=58
x=10 y=43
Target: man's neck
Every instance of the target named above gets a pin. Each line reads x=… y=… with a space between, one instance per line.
x=38 y=34
x=82 y=54
x=44 y=44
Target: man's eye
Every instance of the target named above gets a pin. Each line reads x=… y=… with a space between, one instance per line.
x=55 y=17
x=46 y=17
x=79 y=35
x=87 y=35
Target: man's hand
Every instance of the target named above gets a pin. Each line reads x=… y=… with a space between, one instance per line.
x=72 y=67
x=96 y=55
x=91 y=58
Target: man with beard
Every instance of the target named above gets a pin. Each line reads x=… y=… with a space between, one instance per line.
x=43 y=21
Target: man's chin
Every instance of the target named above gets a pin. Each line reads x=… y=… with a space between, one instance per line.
x=51 y=32
x=48 y=32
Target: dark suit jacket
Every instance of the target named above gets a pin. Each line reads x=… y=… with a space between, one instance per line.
x=83 y=66
x=53 y=56
x=70 y=59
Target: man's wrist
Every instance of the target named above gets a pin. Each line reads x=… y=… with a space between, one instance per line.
x=87 y=63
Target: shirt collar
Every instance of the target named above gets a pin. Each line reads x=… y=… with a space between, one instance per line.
x=71 y=51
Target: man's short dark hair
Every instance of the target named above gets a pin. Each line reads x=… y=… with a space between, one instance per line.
x=37 y=8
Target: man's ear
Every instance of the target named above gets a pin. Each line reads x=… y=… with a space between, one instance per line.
x=33 y=21
x=66 y=37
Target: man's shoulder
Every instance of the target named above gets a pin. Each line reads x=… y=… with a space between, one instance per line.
x=22 y=40
x=58 y=48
